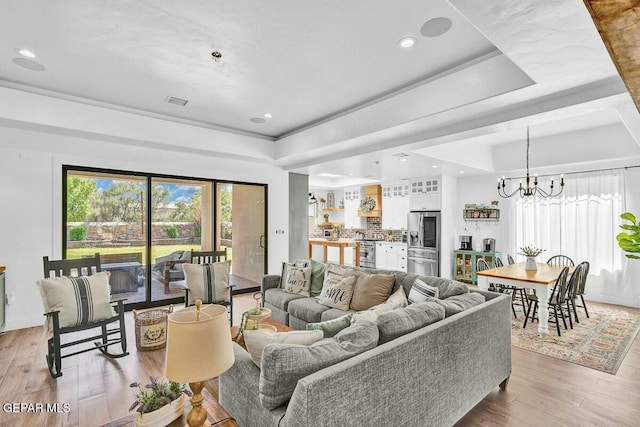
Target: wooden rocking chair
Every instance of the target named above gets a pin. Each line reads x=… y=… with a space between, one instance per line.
x=82 y=267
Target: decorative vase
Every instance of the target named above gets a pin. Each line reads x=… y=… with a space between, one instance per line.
x=530 y=264
x=162 y=416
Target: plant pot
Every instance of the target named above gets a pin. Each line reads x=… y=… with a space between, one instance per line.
x=530 y=264
x=162 y=416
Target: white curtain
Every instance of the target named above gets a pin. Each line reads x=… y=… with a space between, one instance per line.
x=581 y=223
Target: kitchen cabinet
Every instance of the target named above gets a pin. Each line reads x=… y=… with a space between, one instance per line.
x=395 y=205
x=464 y=264
x=352 y=197
x=391 y=256
x=426 y=194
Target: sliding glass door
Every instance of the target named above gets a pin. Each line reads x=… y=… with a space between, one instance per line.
x=106 y=214
x=144 y=227
x=242 y=229
x=181 y=221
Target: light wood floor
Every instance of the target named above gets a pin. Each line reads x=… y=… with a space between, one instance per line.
x=543 y=391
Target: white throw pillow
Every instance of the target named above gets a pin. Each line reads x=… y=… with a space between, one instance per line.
x=257 y=340
x=80 y=300
x=208 y=282
x=398 y=299
x=297 y=280
x=299 y=263
x=420 y=291
x=337 y=291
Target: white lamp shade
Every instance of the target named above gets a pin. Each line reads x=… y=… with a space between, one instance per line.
x=198 y=350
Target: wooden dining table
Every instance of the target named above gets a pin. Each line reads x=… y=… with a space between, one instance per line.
x=541 y=280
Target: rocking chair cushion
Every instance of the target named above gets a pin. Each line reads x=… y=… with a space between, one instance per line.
x=79 y=300
x=208 y=282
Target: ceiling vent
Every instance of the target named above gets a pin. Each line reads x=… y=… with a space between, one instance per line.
x=176 y=101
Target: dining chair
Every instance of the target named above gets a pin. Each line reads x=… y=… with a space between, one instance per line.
x=518 y=295
x=580 y=289
x=510 y=259
x=561 y=261
x=557 y=300
x=482 y=265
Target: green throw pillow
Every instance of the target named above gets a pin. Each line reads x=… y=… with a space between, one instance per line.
x=317 y=277
x=331 y=327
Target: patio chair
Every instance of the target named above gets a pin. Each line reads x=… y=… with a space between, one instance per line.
x=168 y=268
x=80 y=303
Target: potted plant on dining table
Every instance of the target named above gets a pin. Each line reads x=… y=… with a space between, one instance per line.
x=531 y=252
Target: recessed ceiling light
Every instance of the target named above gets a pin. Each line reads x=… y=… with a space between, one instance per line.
x=461 y=172
x=435 y=27
x=434 y=166
x=267 y=115
x=406 y=42
x=351 y=174
x=27 y=53
x=403 y=159
x=328 y=175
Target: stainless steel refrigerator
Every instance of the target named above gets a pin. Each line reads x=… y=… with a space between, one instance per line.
x=423 y=240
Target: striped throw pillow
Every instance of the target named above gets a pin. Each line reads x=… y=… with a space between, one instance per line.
x=80 y=300
x=208 y=282
x=420 y=291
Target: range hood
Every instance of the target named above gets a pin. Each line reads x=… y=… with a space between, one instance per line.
x=373 y=194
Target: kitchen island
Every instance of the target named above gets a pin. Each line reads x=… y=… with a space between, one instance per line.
x=341 y=244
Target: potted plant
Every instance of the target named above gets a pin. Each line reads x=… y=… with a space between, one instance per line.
x=158 y=403
x=531 y=252
x=630 y=241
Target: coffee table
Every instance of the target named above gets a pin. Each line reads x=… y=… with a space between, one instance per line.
x=240 y=340
x=216 y=415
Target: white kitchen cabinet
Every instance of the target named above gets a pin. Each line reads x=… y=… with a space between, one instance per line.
x=426 y=194
x=352 y=197
x=401 y=257
x=395 y=205
x=391 y=256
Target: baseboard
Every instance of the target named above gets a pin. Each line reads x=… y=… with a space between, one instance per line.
x=606 y=299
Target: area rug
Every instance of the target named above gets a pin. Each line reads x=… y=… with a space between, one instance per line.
x=600 y=342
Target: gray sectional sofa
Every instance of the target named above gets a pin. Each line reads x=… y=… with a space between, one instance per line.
x=429 y=377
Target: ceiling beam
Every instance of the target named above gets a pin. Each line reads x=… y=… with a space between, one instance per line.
x=618 y=22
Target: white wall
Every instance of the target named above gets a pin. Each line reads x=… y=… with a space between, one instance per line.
x=621 y=287
x=482 y=190
x=31 y=187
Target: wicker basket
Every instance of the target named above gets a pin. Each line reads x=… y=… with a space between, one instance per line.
x=151 y=328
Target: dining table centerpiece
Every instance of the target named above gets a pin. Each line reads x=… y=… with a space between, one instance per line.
x=531 y=252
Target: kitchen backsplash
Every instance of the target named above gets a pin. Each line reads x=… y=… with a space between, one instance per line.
x=373 y=231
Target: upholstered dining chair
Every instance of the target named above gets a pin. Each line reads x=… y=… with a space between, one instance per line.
x=561 y=260
x=557 y=301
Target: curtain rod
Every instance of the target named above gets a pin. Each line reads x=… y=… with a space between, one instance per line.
x=557 y=175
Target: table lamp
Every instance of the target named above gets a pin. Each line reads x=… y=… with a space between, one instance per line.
x=199 y=348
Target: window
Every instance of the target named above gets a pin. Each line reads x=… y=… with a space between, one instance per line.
x=581 y=223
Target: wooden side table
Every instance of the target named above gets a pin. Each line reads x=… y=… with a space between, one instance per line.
x=216 y=415
x=240 y=340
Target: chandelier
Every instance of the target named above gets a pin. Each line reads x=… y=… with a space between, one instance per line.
x=529 y=190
